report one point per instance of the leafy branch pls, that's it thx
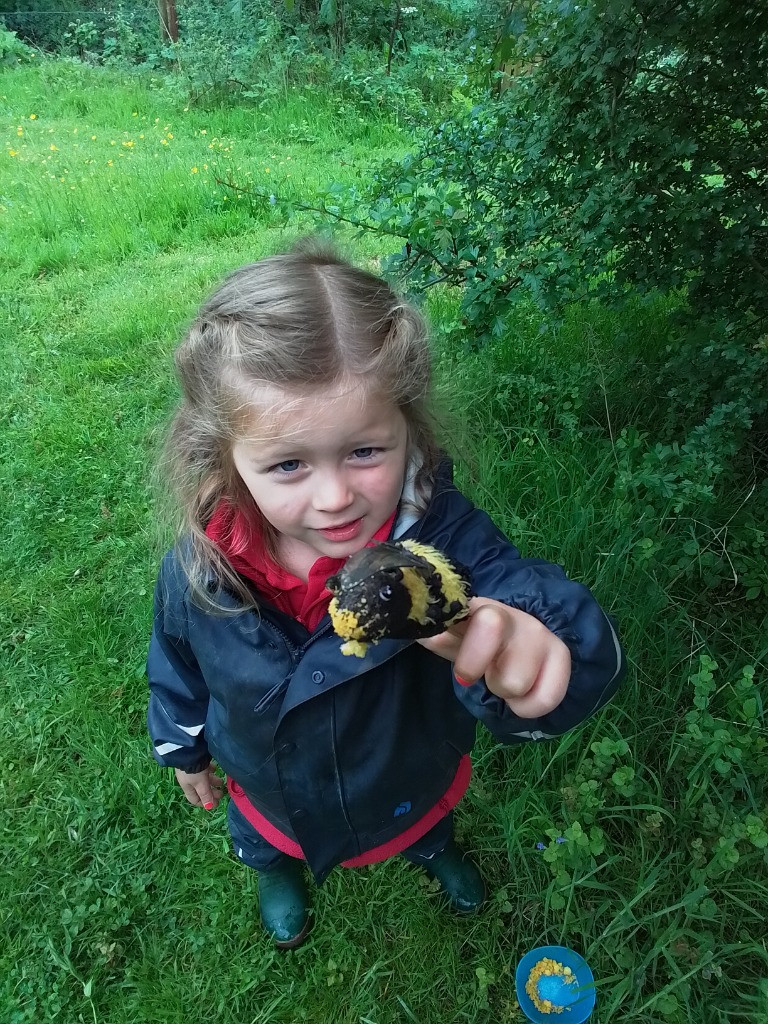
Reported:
(412, 248)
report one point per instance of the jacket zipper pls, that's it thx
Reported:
(339, 784)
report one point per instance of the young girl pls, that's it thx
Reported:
(303, 436)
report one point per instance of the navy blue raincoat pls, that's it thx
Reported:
(331, 749)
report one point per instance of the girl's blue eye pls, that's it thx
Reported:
(364, 453)
(289, 466)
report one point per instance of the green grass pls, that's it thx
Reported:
(124, 905)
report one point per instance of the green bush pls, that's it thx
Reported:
(624, 160)
(95, 32)
(628, 153)
(12, 49)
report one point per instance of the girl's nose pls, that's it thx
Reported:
(331, 493)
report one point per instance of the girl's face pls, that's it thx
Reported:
(330, 473)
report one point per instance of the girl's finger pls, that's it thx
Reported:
(549, 687)
(446, 645)
(483, 639)
(206, 796)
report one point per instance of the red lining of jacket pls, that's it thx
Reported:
(281, 842)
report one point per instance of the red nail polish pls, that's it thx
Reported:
(462, 682)
(208, 807)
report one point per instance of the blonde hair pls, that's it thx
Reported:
(302, 320)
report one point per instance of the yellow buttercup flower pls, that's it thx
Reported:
(194, 170)
(33, 117)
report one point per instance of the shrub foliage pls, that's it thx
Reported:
(623, 157)
(627, 150)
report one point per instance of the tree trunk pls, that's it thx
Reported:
(169, 22)
(395, 26)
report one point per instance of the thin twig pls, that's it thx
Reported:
(324, 211)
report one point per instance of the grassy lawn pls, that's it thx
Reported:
(122, 903)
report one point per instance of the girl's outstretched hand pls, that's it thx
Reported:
(523, 662)
(203, 789)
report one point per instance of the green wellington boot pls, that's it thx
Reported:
(459, 879)
(284, 903)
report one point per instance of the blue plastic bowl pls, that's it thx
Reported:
(578, 1000)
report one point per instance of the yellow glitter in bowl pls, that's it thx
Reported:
(546, 968)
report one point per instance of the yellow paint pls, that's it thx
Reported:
(346, 625)
(345, 622)
(355, 648)
(418, 592)
(546, 968)
(453, 586)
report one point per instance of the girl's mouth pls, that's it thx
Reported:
(347, 531)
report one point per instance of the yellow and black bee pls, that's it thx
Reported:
(403, 590)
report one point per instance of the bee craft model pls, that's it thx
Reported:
(401, 590)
